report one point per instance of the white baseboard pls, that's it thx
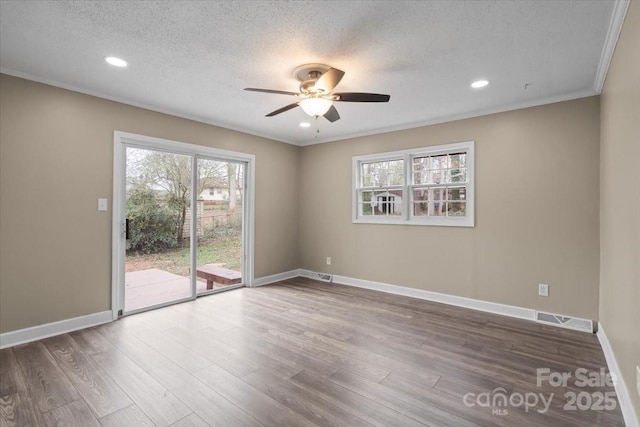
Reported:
(10, 339)
(474, 304)
(624, 398)
(626, 406)
(21, 336)
(261, 281)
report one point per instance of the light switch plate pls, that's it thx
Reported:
(102, 204)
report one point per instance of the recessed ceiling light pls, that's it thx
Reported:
(305, 124)
(479, 83)
(116, 61)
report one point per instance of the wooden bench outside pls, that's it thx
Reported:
(213, 273)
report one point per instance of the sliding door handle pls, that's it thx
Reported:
(126, 229)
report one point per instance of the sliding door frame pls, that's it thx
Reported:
(122, 140)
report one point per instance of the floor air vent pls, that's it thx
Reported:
(322, 276)
(576, 323)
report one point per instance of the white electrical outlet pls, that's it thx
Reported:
(102, 204)
(638, 379)
(328, 260)
(543, 290)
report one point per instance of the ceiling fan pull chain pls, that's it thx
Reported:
(317, 127)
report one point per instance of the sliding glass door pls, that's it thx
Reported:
(183, 224)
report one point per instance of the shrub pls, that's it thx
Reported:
(151, 224)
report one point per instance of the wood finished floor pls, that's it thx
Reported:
(298, 353)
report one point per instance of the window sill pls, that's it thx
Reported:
(437, 222)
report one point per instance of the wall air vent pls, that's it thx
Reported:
(575, 323)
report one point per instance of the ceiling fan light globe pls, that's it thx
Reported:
(315, 106)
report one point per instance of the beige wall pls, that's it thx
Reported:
(620, 202)
(536, 212)
(56, 159)
(536, 205)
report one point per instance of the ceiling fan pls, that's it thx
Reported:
(317, 82)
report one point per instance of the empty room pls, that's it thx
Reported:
(314, 213)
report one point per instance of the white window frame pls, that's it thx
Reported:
(407, 217)
(122, 140)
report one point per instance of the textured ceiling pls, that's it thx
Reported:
(193, 59)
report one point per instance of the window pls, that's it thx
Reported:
(425, 186)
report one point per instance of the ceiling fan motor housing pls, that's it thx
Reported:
(308, 87)
(308, 75)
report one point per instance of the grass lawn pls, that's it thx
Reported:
(224, 250)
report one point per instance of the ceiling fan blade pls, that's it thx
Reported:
(361, 97)
(282, 110)
(332, 114)
(279, 92)
(329, 80)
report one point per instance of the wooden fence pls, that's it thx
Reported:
(208, 220)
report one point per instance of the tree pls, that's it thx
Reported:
(172, 173)
(169, 176)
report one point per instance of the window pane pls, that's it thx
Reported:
(458, 175)
(436, 194)
(420, 195)
(436, 209)
(421, 170)
(396, 179)
(457, 208)
(458, 160)
(457, 193)
(421, 177)
(369, 173)
(365, 209)
(420, 209)
(396, 172)
(364, 203)
(380, 174)
(439, 162)
(421, 163)
(437, 176)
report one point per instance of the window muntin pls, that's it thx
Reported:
(428, 186)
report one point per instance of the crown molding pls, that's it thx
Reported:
(615, 27)
(455, 117)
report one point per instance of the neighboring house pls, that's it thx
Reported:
(388, 202)
(215, 193)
